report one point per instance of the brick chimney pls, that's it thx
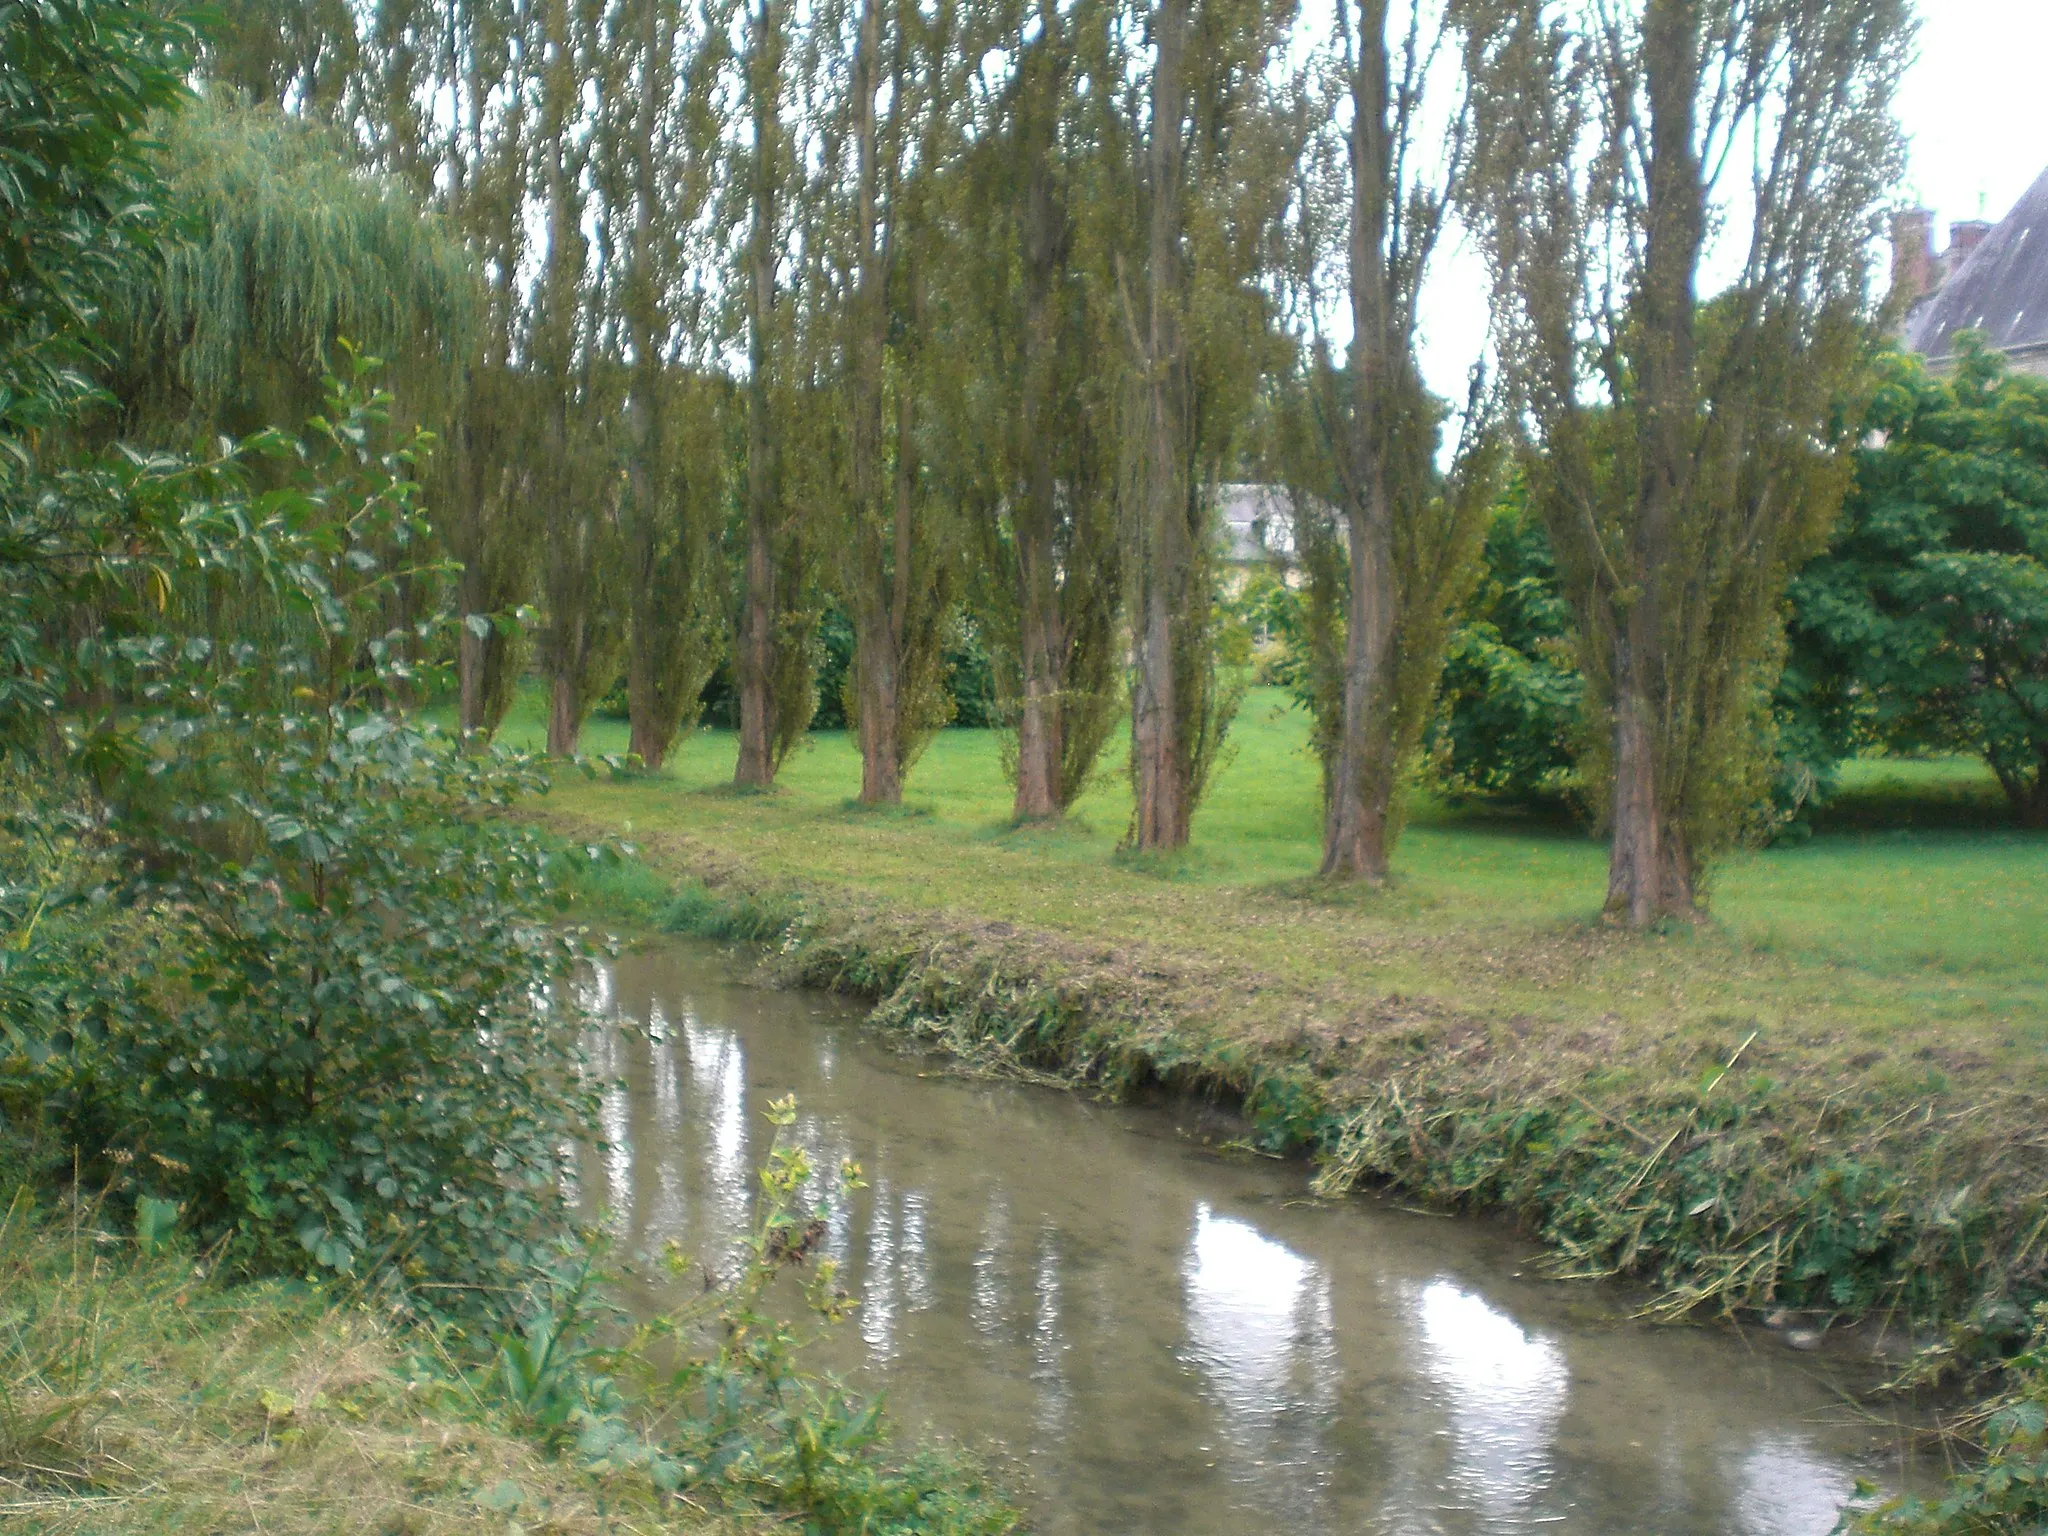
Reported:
(1914, 274)
(1964, 236)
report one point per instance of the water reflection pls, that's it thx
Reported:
(1150, 1338)
(1505, 1391)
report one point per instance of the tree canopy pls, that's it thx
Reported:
(1924, 625)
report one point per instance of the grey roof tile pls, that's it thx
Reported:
(2001, 289)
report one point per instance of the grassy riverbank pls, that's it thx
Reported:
(1828, 1098)
(140, 1396)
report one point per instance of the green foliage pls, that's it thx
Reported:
(1924, 627)
(1512, 691)
(332, 1040)
(284, 248)
(78, 80)
(2006, 1491)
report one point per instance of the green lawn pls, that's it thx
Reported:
(1855, 942)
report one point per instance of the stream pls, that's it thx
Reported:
(1143, 1331)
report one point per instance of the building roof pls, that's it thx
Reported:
(1258, 522)
(2001, 288)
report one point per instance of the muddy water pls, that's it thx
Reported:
(1147, 1334)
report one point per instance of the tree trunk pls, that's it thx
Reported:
(878, 643)
(1038, 719)
(1039, 744)
(1361, 789)
(754, 655)
(881, 779)
(1649, 873)
(470, 658)
(565, 716)
(1649, 877)
(1159, 755)
(754, 659)
(646, 737)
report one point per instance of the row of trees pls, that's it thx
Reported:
(910, 306)
(1921, 628)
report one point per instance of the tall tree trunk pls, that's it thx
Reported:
(1361, 787)
(1361, 783)
(1160, 760)
(1039, 747)
(1038, 719)
(646, 737)
(754, 655)
(565, 715)
(754, 658)
(878, 643)
(1649, 874)
(469, 675)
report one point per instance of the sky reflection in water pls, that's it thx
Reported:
(1147, 1336)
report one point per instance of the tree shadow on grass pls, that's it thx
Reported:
(909, 810)
(1193, 863)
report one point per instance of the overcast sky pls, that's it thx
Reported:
(1975, 107)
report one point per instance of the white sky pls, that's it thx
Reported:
(1974, 105)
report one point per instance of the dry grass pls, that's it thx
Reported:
(137, 1396)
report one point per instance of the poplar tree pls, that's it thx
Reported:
(896, 561)
(1390, 581)
(1211, 184)
(659, 139)
(573, 470)
(772, 663)
(1690, 452)
(1040, 199)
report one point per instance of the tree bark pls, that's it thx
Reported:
(754, 655)
(646, 737)
(565, 716)
(1039, 745)
(1649, 874)
(1361, 790)
(469, 671)
(1159, 755)
(1361, 787)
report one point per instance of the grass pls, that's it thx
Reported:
(1869, 924)
(1828, 1095)
(138, 1396)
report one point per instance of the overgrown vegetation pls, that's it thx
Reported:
(279, 990)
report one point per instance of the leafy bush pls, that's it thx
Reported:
(2007, 1489)
(333, 1038)
(1924, 625)
(1512, 690)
